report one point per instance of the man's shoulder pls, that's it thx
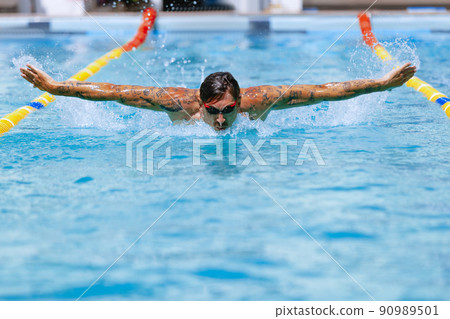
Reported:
(259, 97)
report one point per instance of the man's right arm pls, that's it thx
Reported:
(154, 98)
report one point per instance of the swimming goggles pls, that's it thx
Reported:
(212, 110)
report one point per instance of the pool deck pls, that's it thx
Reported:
(230, 21)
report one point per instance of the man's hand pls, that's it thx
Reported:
(38, 78)
(399, 76)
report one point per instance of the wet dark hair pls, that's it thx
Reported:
(215, 86)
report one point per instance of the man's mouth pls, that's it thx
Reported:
(221, 127)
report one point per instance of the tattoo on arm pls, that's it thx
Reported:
(349, 89)
(148, 97)
(171, 108)
(301, 95)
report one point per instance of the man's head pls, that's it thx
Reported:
(220, 95)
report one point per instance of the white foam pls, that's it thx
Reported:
(87, 114)
(22, 61)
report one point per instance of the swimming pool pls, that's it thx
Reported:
(380, 206)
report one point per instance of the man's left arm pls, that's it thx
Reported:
(283, 97)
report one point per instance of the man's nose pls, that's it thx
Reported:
(220, 119)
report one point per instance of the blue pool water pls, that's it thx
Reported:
(70, 206)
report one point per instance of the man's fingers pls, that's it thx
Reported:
(33, 71)
(28, 79)
(407, 70)
(411, 71)
(404, 66)
(29, 76)
(32, 68)
(27, 73)
(25, 77)
(409, 74)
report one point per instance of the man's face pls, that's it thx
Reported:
(222, 120)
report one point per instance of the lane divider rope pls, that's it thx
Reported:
(423, 87)
(12, 119)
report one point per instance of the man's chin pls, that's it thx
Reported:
(220, 128)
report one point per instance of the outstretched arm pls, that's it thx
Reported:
(157, 99)
(300, 95)
(264, 98)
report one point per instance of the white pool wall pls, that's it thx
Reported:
(233, 22)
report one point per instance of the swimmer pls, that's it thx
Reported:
(219, 99)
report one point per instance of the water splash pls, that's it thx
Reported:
(183, 84)
(77, 113)
(402, 51)
(364, 63)
(170, 68)
(23, 60)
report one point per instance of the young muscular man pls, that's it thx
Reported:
(219, 99)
